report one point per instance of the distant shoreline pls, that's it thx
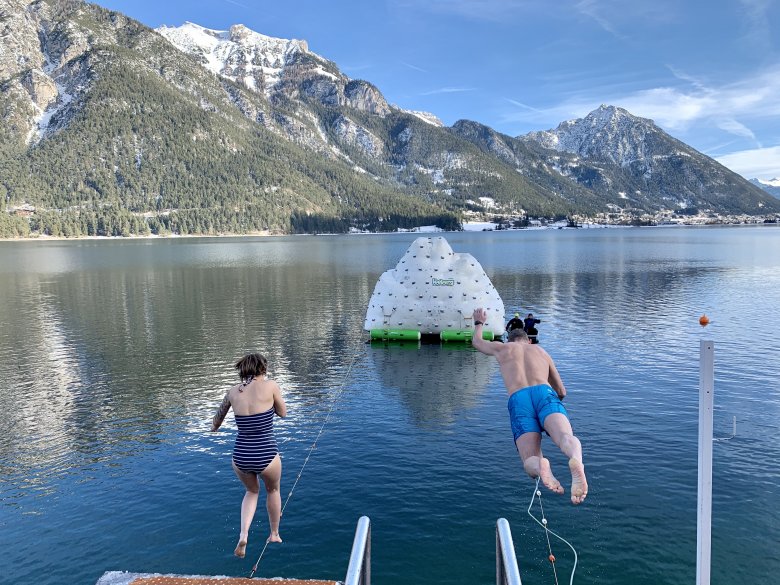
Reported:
(136, 237)
(476, 227)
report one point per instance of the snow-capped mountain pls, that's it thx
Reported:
(612, 150)
(243, 55)
(221, 131)
(772, 186)
(608, 133)
(274, 66)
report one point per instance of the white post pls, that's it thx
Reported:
(704, 511)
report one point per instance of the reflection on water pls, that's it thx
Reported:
(434, 382)
(114, 355)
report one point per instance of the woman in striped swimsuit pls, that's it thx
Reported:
(255, 402)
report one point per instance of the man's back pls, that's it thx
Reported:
(523, 365)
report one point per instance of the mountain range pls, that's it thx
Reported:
(771, 186)
(110, 127)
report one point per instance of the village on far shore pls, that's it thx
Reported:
(486, 215)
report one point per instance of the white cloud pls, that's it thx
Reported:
(730, 107)
(415, 67)
(448, 90)
(593, 9)
(757, 163)
(615, 16)
(733, 127)
(522, 105)
(238, 4)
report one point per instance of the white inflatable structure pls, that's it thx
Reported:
(433, 291)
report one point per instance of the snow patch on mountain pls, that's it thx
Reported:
(240, 54)
(436, 175)
(44, 117)
(356, 136)
(426, 117)
(608, 132)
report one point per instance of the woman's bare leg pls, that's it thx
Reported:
(272, 476)
(248, 507)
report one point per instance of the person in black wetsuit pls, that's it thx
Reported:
(515, 323)
(530, 322)
(529, 326)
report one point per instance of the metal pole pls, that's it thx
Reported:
(507, 571)
(704, 508)
(359, 570)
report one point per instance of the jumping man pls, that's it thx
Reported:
(535, 392)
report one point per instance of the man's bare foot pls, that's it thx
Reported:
(579, 485)
(274, 537)
(548, 479)
(240, 551)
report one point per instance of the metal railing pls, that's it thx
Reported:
(507, 571)
(359, 571)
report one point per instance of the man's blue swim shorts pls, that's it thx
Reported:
(529, 407)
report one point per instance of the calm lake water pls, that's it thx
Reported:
(114, 355)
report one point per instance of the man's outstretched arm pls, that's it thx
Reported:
(486, 347)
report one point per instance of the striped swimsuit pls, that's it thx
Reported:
(255, 444)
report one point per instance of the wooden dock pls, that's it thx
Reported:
(122, 578)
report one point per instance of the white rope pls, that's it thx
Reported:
(308, 455)
(547, 532)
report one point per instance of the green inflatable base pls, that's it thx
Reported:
(464, 335)
(395, 334)
(415, 335)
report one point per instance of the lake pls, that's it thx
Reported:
(115, 354)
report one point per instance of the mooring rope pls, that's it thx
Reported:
(548, 532)
(308, 455)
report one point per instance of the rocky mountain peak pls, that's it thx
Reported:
(607, 133)
(771, 186)
(272, 66)
(241, 54)
(426, 117)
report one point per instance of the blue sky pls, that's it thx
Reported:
(707, 72)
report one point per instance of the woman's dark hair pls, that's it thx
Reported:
(251, 365)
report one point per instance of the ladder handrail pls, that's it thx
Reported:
(359, 571)
(507, 571)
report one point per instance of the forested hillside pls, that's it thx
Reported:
(107, 128)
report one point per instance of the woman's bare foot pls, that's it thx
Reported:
(548, 479)
(579, 485)
(240, 551)
(274, 537)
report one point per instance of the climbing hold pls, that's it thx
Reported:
(704, 320)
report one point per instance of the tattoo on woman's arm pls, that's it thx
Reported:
(221, 412)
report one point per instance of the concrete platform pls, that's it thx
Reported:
(124, 578)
